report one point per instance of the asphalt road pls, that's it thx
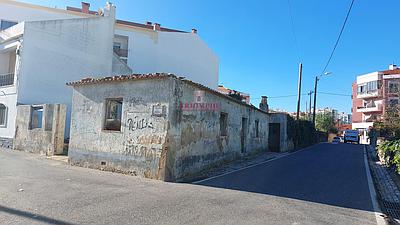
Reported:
(325, 184)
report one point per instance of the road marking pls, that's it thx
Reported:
(247, 167)
(378, 213)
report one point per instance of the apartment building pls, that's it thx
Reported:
(373, 93)
(43, 48)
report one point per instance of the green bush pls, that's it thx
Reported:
(389, 151)
(301, 132)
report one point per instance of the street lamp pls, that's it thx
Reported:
(315, 93)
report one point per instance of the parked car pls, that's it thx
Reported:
(351, 136)
(337, 139)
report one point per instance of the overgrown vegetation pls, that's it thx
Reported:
(301, 132)
(389, 151)
(325, 122)
(389, 128)
(236, 95)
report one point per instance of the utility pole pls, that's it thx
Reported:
(315, 98)
(299, 91)
(309, 111)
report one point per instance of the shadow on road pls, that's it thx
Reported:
(32, 216)
(332, 174)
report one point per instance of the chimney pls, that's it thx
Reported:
(156, 26)
(85, 7)
(264, 104)
(194, 31)
(392, 66)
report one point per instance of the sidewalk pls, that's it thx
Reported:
(387, 191)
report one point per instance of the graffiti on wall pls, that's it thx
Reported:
(143, 151)
(138, 123)
(145, 133)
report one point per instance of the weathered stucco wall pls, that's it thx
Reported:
(46, 140)
(168, 142)
(140, 147)
(196, 134)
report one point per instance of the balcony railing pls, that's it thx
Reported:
(369, 94)
(121, 52)
(6, 79)
(376, 108)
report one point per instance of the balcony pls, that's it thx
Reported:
(369, 94)
(377, 108)
(6, 79)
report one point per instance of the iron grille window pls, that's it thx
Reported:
(6, 79)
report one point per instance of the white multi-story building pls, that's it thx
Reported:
(42, 48)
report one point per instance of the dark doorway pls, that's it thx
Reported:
(274, 137)
(243, 133)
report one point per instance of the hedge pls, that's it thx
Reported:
(389, 152)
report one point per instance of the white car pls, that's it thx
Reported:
(351, 136)
(336, 140)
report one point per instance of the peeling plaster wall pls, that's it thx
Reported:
(141, 145)
(47, 140)
(196, 136)
(175, 145)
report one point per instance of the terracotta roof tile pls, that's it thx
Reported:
(121, 78)
(90, 80)
(388, 72)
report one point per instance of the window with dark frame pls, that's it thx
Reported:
(36, 117)
(113, 114)
(223, 124)
(257, 128)
(3, 115)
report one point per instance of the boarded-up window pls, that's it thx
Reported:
(257, 124)
(223, 124)
(113, 114)
(36, 117)
(3, 115)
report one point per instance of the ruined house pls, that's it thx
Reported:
(164, 127)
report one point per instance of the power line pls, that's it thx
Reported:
(294, 31)
(325, 93)
(338, 39)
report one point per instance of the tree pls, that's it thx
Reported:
(389, 127)
(325, 122)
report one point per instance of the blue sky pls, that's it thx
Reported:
(256, 48)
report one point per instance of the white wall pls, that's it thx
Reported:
(59, 51)
(4, 62)
(183, 54)
(18, 12)
(367, 77)
(8, 94)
